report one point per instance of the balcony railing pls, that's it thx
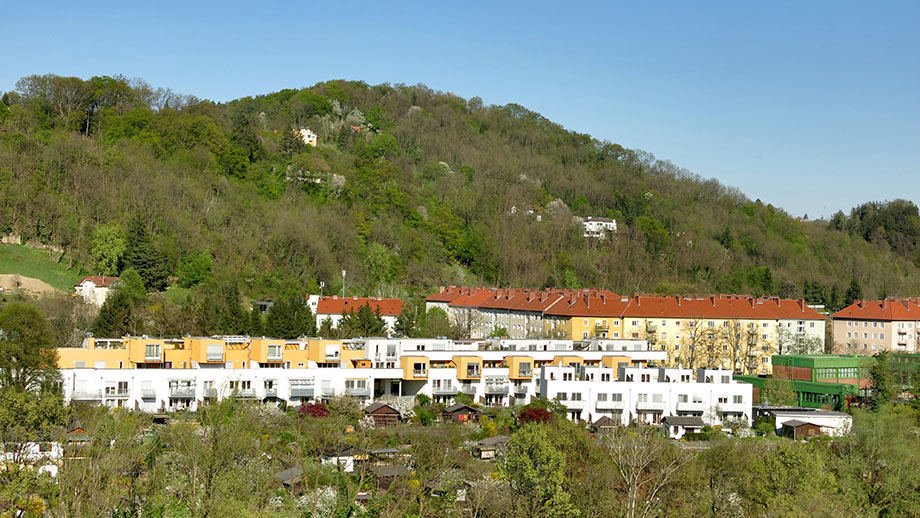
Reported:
(650, 405)
(274, 357)
(574, 405)
(497, 388)
(358, 391)
(116, 395)
(86, 395)
(215, 357)
(327, 391)
(688, 406)
(520, 389)
(302, 391)
(469, 390)
(245, 392)
(525, 373)
(210, 393)
(182, 392)
(419, 373)
(271, 392)
(609, 405)
(152, 357)
(148, 393)
(448, 390)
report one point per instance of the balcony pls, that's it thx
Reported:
(327, 392)
(650, 405)
(686, 406)
(444, 390)
(271, 391)
(302, 391)
(651, 328)
(469, 390)
(734, 407)
(332, 358)
(247, 393)
(148, 393)
(574, 405)
(358, 391)
(609, 405)
(520, 389)
(274, 358)
(154, 358)
(215, 358)
(182, 392)
(502, 388)
(419, 373)
(210, 393)
(116, 395)
(601, 327)
(525, 373)
(86, 395)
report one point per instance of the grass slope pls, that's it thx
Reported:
(37, 264)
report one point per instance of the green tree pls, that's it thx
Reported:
(363, 322)
(195, 268)
(882, 382)
(326, 329)
(405, 322)
(853, 293)
(28, 359)
(108, 248)
(115, 317)
(143, 257)
(436, 323)
(131, 284)
(256, 326)
(779, 391)
(535, 471)
(384, 146)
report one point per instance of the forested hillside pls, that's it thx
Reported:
(408, 188)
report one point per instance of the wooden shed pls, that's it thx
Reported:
(383, 414)
(796, 429)
(460, 413)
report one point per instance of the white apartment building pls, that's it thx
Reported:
(647, 394)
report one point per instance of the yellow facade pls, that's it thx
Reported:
(468, 367)
(614, 363)
(325, 351)
(109, 358)
(414, 367)
(520, 367)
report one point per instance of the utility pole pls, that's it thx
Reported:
(343, 284)
(321, 286)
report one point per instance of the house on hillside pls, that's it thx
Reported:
(676, 426)
(95, 288)
(598, 228)
(307, 136)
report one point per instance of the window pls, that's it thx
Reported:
(766, 324)
(562, 396)
(576, 396)
(664, 323)
(584, 334)
(524, 369)
(616, 322)
(215, 353)
(737, 400)
(274, 352)
(723, 400)
(765, 360)
(682, 398)
(635, 322)
(764, 337)
(79, 364)
(645, 378)
(605, 376)
(664, 336)
(711, 324)
(419, 369)
(812, 324)
(586, 322)
(881, 336)
(616, 334)
(642, 398)
(152, 352)
(616, 397)
(658, 398)
(602, 397)
(472, 370)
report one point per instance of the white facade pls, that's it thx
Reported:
(598, 228)
(646, 395)
(307, 136)
(834, 424)
(92, 293)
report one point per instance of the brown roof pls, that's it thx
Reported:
(380, 408)
(99, 280)
(888, 309)
(338, 306)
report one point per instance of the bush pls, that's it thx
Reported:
(313, 410)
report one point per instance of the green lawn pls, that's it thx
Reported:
(37, 264)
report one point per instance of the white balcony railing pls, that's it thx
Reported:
(609, 405)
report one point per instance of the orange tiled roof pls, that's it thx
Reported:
(888, 309)
(336, 305)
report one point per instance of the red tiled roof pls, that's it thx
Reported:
(336, 305)
(888, 309)
(579, 305)
(99, 280)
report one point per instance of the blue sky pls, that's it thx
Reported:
(811, 106)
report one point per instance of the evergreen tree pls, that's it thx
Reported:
(326, 330)
(304, 321)
(114, 319)
(882, 382)
(363, 322)
(405, 322)
(853, 293)
(231, 320)
(256, 328)
(143, 257)
(280, 321)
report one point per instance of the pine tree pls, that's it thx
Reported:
(231, 320)
(280, 321)
(326, 330)
(405, 322)
(304, 321)
(143, 257)
(256, 328)
(853, 293)
(114, 319)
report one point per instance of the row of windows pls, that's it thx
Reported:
(875, 336)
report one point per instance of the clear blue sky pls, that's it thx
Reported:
(811, 106)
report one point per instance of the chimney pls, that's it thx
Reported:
(603, 299)
(588, 301)
(802, 304)
(884, 304)
(441, 289)
(860, 304)
(572, 299)
(712, 300)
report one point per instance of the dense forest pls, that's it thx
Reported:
(408, 188)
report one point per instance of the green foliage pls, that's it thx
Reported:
(195, 268)
(27, 352)
(108, 247)
(37, 264)
(115, 317)
(290, 318)
(535, 469)
(362, 322)
(881, 382)
(498, 332)
(779, 392)
(143, 257)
